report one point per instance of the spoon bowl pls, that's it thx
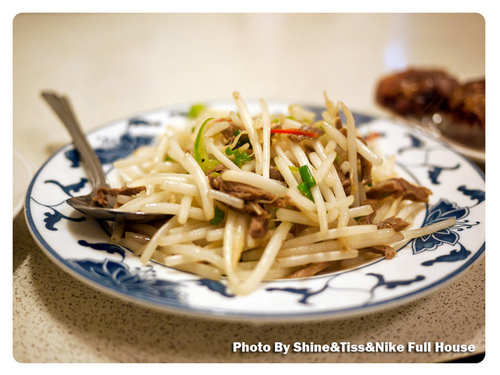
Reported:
(84, 204)
(60, 104)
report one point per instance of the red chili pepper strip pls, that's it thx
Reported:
(223, 119)
(372, 136)
(296, 132)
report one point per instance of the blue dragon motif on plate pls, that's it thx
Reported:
(127, 143)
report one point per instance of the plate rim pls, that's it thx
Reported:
(459, 148)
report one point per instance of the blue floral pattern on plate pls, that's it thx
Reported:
(80, 245)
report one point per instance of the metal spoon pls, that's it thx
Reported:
(97, 177)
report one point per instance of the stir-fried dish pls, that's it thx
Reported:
(255, 197)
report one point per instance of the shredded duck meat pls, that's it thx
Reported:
(344, 180)
(368, 219)
(243, 191)
(393, 222)
(258, 202)
(396, 223)
(309, 270)
(399, 187)
(385, 250)
(258, 226)
(366, 168)
(230, 132)
(101, 197)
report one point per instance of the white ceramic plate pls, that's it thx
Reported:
(80, 246)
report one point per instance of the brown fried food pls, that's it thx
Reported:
(416, 91)
(468, 102)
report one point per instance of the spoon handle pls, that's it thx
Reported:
(62, 107)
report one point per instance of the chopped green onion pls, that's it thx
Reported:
(218, 216)
(304, 189)
(307, 176)
(307, 183)
(242, 140)
(240, 157)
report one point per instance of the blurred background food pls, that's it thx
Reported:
(436, 100)
(418, 92)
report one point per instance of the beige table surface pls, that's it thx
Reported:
(116, 65)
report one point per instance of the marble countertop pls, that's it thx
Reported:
(113, 65)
